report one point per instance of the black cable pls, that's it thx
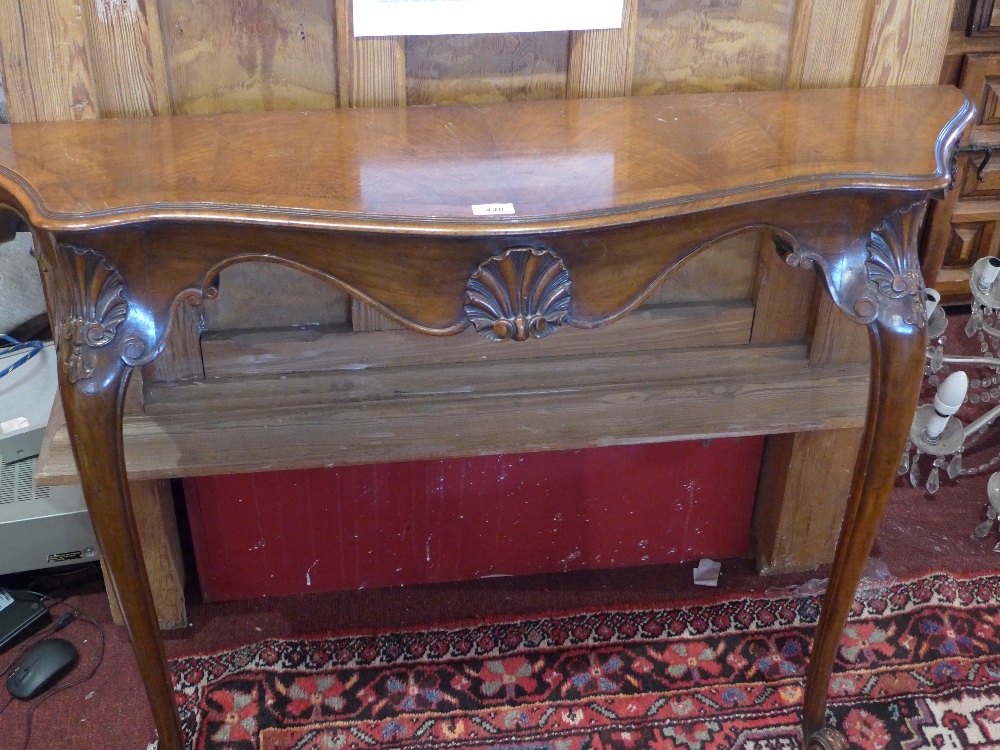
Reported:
(58, 624)
(9, 699)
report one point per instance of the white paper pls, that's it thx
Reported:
(17, 423)
(707, 572)
(424, 17)
(492, 209)
(5, 600)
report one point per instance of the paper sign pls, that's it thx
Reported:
(424, 17)
(5, 600)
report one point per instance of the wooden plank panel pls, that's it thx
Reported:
(245, 55)
(481, 68)
(601, 61)
(126, 50)
(44, 61)
(371, 71)
(412, 429)
(672, 327)
(829, 42)
(695, 46)
(907, 42)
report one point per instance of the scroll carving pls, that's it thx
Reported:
(884, 280)
(98, 306)
(520, 294)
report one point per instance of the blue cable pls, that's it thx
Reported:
(30, 349)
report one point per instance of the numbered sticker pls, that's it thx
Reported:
(492, 209)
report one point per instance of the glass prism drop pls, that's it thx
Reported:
(955, 466)
(904, 463)
(933, 481)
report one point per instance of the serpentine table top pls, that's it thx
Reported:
(516, 219)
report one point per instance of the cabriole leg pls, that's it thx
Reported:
(886, 291)
(98, 338)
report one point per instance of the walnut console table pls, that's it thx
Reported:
(522, 221)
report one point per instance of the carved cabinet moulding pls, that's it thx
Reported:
(522, 293)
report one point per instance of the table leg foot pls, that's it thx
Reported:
(826, 739)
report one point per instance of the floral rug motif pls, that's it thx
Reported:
(918, 667)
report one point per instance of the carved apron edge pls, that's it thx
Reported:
(885, 282)
(99, 308)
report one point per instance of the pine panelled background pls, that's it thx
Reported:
(79, 59)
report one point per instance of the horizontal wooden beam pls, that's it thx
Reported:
(393, 414)
(262, 352)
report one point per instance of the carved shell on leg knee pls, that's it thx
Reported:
(522, 293)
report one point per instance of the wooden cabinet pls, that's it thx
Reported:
(963, 229)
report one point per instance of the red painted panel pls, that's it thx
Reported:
(457, 519)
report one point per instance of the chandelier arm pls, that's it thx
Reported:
(984, 420)
(958, 360)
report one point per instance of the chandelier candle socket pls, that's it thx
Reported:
(990, 273)
(931, 301)
(949, 398)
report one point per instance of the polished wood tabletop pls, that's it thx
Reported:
(425, 167)
(605, 199)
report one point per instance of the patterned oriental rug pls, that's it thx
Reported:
(919, 667)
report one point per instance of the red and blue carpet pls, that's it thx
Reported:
(919, 667)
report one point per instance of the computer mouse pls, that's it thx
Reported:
(40, 666)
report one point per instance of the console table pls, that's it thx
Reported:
(522, 221)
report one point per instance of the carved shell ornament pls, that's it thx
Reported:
(98, 307)
(894, 272)
(522, 293)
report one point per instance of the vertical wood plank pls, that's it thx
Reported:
(601, 62)
(157, 524)
(371, 71)
(367, 318)
(907, 42)
(828, 43)
(44, 61)
(778, 289)
(126, 50)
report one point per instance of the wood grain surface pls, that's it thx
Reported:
(46, 66)
(484, 68)
(249, 55)
(739, 45)
(556, 160)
